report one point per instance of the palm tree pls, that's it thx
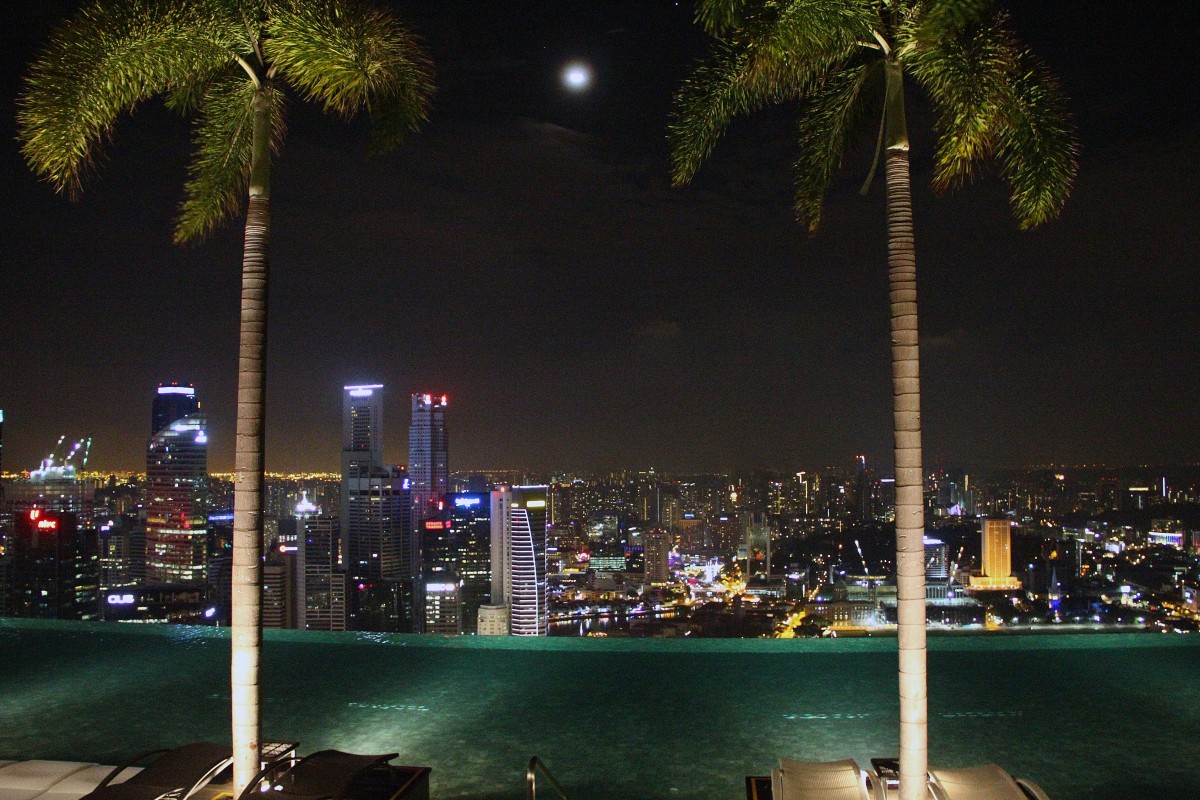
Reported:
(228, 64)
(842, 62)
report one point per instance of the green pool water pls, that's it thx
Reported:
(1102, 716)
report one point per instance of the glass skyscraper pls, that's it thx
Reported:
(458, 544)
(519, 557)
(428, 460)
(378, 544)
(176, 482)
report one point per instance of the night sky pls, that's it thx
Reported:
(526, 254)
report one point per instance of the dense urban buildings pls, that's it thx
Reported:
(635, 553)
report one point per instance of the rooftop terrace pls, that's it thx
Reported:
(1101, 716)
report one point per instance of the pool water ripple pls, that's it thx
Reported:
(1087, 716)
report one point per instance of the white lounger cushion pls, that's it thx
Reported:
(25, 780)
(987, 782)
(818, 780)
(78, 784)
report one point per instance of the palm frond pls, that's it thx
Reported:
(351, 57)
(994, 101)
(1037, 146)
(187, 98)
(829, 118)
(708, 101)
(718, 17)
(935, 20)
(968, 77)
(105, 61)
(219, 173)
(781, 52)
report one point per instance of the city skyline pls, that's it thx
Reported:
(524, 255)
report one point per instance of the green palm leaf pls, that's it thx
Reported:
(718, 17)
(829, 119)
(350, 57)
(112, 57)
(937, 20)
(219, 173)
(782, 53)
(1037, 146)
(968, 77)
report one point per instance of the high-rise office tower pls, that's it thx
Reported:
(519, 557)
(997, 557)
(172, 401)
(276, 591)
(658, 553)
(362, 428)
(56, 485)
(442, 603)
(937, 560)
(864, 490)
(324, 586)
(428, 463)
(54, 569)
(176, 482)
(372, 495)
(378, 548)
(458, 542)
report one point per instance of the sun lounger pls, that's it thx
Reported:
(324, 775)
(822, 780)
(176, 774)
(988, 782)
(25, 780)
(81, 783)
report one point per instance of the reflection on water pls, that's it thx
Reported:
(1100, 716)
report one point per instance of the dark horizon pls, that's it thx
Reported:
(526, 255)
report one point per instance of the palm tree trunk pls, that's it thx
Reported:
(910, 483)
(245, 668)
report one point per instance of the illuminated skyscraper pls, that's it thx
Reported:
(658, 554)
(428, 461)
(54, 568)
(372, 502)
(937, 560)
(458, 542)
(362, 428)
(997, 557)
(324, 584)
(378, 550)
(172, 402)
(519, 557)
(442, 603)
(176, 482)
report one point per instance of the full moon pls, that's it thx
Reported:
(577, 77)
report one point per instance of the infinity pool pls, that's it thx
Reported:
(1104, 717)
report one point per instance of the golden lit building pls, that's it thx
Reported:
(997, 557)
